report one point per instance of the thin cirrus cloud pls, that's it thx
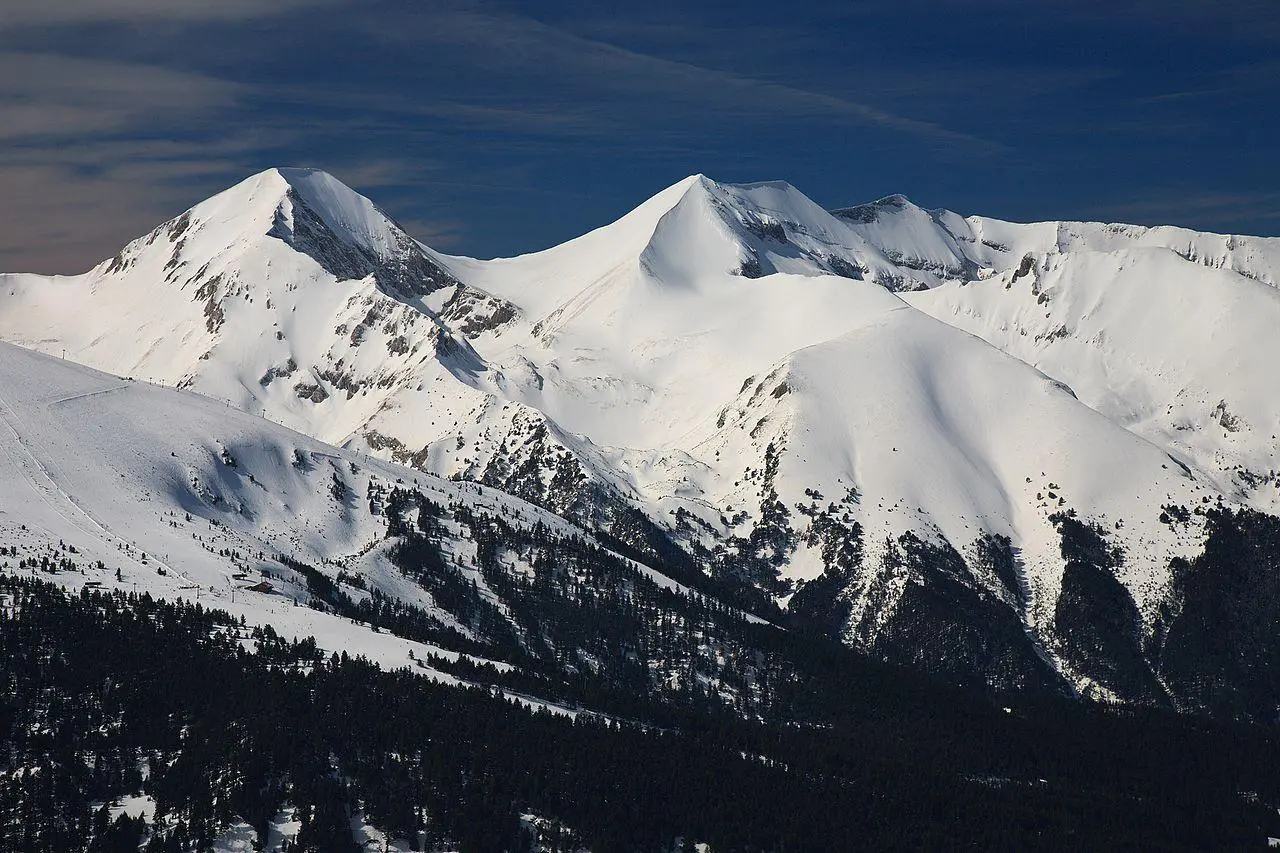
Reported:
(607, 78)
(1245, 20)
(62, 12)
(54, 95)
(88, 152)
(68, 213)
(96, 150)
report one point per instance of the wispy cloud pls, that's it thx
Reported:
(1218, 211)
(58, 12)
(67, 218)
(44, 95)
(1246, 20)
(607, 78)
(94, 152)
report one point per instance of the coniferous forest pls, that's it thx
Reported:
(106, 696)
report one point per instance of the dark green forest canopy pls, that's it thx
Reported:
(236, 722)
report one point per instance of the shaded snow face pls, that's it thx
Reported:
(351, 239)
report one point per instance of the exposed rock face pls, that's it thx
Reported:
(403, 270)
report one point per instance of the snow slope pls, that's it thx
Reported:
(1168, 332)
(150, 489)
(931, 247)
(778, 389)
(1180, 354)
(938, 432)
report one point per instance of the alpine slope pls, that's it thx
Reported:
(962, 444)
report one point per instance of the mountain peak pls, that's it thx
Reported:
(298, 173)
(282, 227)
(750, 229)
(350, 236)
(344, 213)
(273, 195)
(871, 211)
(298, 177)
(778, 194)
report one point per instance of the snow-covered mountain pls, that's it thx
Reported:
(895, 421)
(177, 495)
(276, 295)
(121, 484)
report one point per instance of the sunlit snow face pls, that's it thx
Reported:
(704, 357)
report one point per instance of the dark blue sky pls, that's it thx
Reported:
(498, 128)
